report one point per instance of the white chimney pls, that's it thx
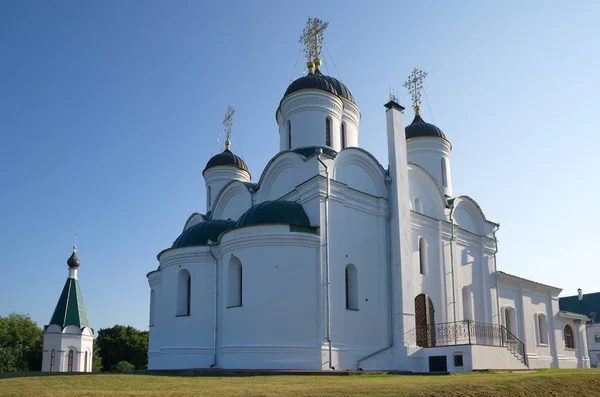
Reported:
(580, 294)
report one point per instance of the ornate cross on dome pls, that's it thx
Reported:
(75, 242)
(227, 123)
(312, 37)
(414, 84)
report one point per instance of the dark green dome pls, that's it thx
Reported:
(202, 232)
(419, 128)
(270, 212)
(226, 158)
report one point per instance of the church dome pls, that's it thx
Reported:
(73, 261)
(226, 158)
(273, 212)
(202, 232)
(318, 81)
(419, 128)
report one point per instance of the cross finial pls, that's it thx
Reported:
(227, 124)
(75, 242)
(414, 84)
(312, 39)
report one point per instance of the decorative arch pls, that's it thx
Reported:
(468, 216)
(418, 205)
(351, 282)
(280, 177)
(424, 321)
(193, 220)
(232, 201)
(234, 283)
(360, 171)
(184, 293)
(423, 185)
(510, 319)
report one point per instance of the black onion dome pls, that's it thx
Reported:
(201, 233)
(73, 261)
(227, 158)
(419, 128)
(318, 81)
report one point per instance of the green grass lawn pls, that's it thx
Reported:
(542, 383)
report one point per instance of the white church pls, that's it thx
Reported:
(331, 260)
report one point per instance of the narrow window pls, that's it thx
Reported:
(327, 132)
(343, 135)
(208, 194)
(418, 205)
(444, 175)
(467, 303)
(510, 320)
(422, 256)
(458, 360)
(289, 134)
(235, 273)
(569, 340)
(85, 368)
(597, 338)
(542, 329)
(152, 303)
(70, 361)
(184, 293)
(351, 288)
(52, 359)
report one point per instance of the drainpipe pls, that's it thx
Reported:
(388, 181)
(327, 286)
(451, 201)
(216, 307)
(495, 270)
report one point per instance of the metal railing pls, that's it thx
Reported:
(468, 332)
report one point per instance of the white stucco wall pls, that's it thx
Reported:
(62, 341)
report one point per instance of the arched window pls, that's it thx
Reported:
(184, 293)
(343, 135)
(70, 361)
(418, 205)
(351, 287)
(542, 328)
(289, 130)
(234, 297)
(510, 320)
(467, 298)
(327, 131)
(85, 368)
(597, 338)
(208, 195)
(422, 256)
(52, 360)
(569, 339)
(152, 303)
(444, 173)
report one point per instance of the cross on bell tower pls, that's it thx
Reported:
(312, 39)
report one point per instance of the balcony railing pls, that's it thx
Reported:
(468, 332)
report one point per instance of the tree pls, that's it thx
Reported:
(121, 343)
(96, 359)
(21, 344)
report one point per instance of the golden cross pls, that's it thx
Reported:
(414, 84)
(227, 123)
(312, 38)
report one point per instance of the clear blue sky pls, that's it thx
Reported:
(109, 111)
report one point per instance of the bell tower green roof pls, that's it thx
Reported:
(70, 309)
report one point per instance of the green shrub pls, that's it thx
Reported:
(123, 366)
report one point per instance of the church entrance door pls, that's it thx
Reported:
(424, 321)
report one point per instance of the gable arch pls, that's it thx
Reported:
(232, 201)
(280, 176)
(359, 170)
(468, 215)
(424, 189)
(193, 220)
